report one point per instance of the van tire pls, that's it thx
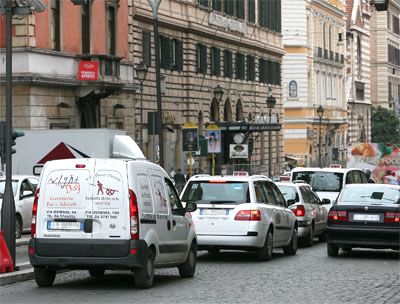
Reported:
(44, 277)
(332, 250)
(188, 269)
(309, 239)
(291, 249)
(97, 272)
(144, 276)
(265, 252)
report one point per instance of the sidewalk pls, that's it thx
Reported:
(24, 272)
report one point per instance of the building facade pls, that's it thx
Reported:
(358, 64)
(204, 44)
(47, 50)
(314, 76)
(385, 57)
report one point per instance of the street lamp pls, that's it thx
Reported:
(8, 208)
(271, 102)
(155, 4)
(320, 113)
(141, 74)
(218, 94)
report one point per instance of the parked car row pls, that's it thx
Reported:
(100, 214)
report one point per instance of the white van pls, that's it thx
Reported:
(99, 214)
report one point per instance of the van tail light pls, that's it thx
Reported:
(338, 215)
(34, 213)
(392, 217)
(248, 215)
(133, 215)
(299, 210)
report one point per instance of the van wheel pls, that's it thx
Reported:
(265, 252)
(291, 249)
(18, 226)
(309, 239)
(144, 276)
(333, 250)
(97, 272)
(44, 277)
(323, 237)
(188, 269)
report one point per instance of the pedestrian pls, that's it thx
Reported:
(180, 180)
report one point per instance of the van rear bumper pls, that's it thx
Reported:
(46, 253)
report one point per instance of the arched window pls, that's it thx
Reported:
(239, 111)
(227, 110)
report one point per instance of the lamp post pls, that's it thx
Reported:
(141, 73)
(8, 208)
(320, 113)
(155, 4)
(218, 94)
(271, 102)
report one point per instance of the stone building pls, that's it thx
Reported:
(385, 57)
(314, 77)
(358, 64)
(204, 44)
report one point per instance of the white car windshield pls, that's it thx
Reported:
(3, 185)
(368, 194)
(321, 180)
(209, 192)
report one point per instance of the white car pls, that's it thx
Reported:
(242, 213)
(306, 205)
(24, 187)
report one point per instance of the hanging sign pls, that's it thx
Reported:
(88, 70)
(190, 137)
(213, 136)
(239, 151)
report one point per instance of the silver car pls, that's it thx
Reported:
(307, 207)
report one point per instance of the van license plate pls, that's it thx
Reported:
(214, 211)
(366, 217)
(64, 226)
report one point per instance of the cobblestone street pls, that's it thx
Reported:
(364, 276)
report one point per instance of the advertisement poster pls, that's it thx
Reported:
(88, 70)
(213, 141)
(190, 140)
(383, 160)
(238, 151)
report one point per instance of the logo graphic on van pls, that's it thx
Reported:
(69, 182)
(101, 188)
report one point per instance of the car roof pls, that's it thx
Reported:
(389, 186)
(296, 185)
(204, 177)
(18, 177)
(339, 170)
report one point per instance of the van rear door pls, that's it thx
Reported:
(110, 213)
(64, 209)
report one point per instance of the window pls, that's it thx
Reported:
(176, 55)
(262, 75)
(171, 53)
(393, 55)
(217, 5)
(261, 196)
(251, 73)
(201, 58)
(85, 29)
(269, 14)
(146, 48)
(239, 9)
(251, 11)
(277, 73)
(165, 52)
(240, 66)
(390, 90)
(203, 3)
(173, 199)
(215, 61)
(228, 64)
(360, 90)
(55, 30)
(269, 193)
(396, 25)
(111, 38)
(229, 7)
(280, 200)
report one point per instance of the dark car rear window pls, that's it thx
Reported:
(320, 180)
(206, 192)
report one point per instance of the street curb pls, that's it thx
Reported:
(18, 276)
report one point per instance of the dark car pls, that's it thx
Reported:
(366, 216)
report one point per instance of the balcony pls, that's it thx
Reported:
(109, 66)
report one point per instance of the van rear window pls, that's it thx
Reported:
(205, 192)
(321, 180)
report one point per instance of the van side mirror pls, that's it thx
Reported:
(326, 201)
(290, 202)
(26, 193)
(191, 207)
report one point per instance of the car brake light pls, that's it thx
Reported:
(80, 166)
(248, 215)
(392, 217)
(133, 215)
(338, 215)
(34, 213)
(299, 211)
(216, 181)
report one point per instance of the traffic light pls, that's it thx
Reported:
(14, 136)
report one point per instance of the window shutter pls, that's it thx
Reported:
(251, 12)
(278, 16)
(217, 5)
(250, 68)
(278, 73)
(229, 7)
(215, 61)
(179, 54)
(203, 3)
(203, 63)
(227, 64)
(240, 9)
(198, 58)
(263, 70)
(146, 48)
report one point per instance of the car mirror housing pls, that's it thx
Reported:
(326, 201)
(191, 207)
(290, 202)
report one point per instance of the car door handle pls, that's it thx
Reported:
(169, 225)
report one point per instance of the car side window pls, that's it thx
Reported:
(280, 200)
(305, 194)
(364, 178)
(314, 198)
(357, 177)
(26, 186)
(270, 193)
(34, 182)
(261, 196)
(350, 178)
(175, 203)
